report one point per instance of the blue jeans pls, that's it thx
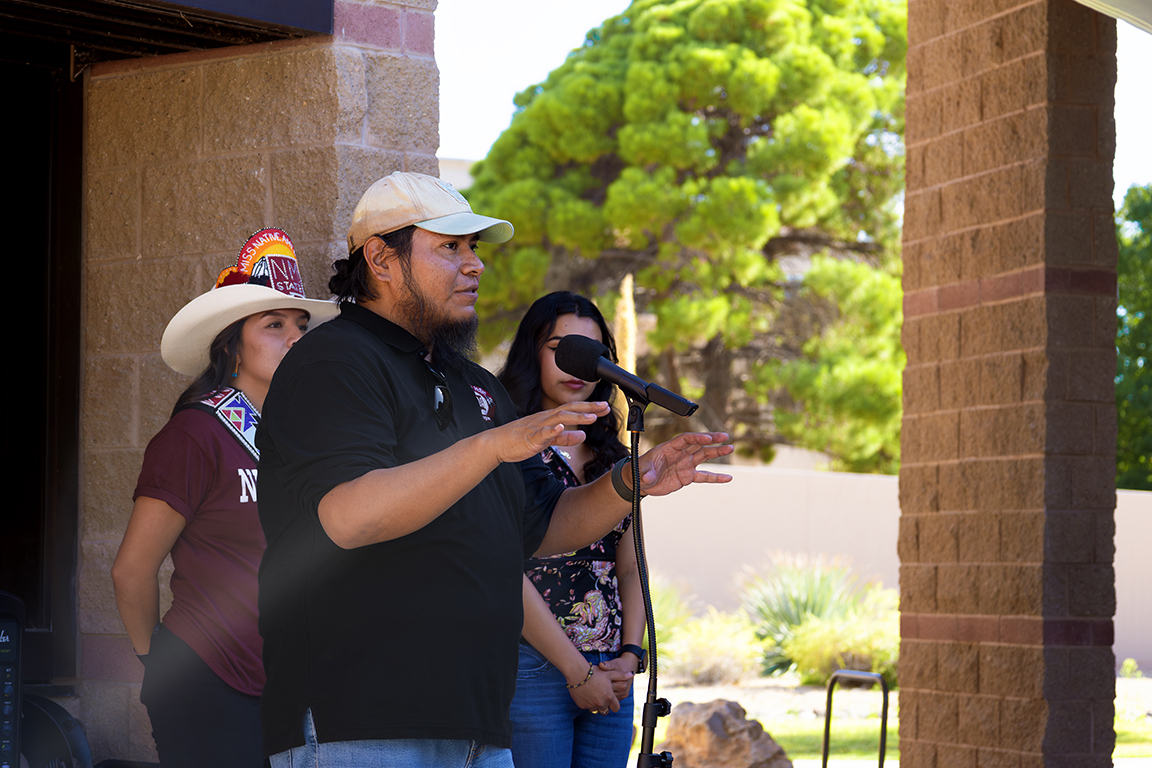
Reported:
(550, 731)
(390, 753)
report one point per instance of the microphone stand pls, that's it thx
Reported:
(653, 707)
(587, 359)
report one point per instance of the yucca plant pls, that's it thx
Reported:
(867, 638)
(793, 588)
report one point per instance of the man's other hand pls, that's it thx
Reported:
(672, 465)
(521, 439)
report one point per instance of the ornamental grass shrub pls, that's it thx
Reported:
(790, 590)
(866, 638)
(715, 648)
(815, 616)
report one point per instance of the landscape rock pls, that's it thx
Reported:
(718, 734)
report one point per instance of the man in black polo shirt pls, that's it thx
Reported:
(399, 497)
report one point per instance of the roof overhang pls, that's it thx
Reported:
(100, 30)
(1136, 12)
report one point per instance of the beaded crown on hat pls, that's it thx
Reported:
(269, 259)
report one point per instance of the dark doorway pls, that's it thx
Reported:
(42, 137)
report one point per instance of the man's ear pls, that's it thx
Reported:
(376, 256)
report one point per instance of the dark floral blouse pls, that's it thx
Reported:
(580, 587)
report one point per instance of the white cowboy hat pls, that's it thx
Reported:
(266, 277)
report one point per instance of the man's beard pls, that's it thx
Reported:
(453, 342)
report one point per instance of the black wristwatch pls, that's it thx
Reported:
(639, 652)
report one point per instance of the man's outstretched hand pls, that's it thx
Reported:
(672, 465)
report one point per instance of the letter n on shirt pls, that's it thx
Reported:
(247, 484)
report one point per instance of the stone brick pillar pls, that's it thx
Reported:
(1007, 486)
(186, 155)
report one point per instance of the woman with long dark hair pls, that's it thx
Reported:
(583, 611)
(196, 500)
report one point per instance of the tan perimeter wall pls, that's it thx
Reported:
(703, 537)
(1133, 576)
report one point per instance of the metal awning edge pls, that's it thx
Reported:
(1138, 13)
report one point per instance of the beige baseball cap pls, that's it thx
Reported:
(405, 199)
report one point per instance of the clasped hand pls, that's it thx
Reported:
(603, 691)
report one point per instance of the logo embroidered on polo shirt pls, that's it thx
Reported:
(486, 402)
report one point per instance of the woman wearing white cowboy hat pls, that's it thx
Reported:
(196, 500)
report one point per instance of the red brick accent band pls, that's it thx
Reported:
(1014, 630)
(1072, 632)
(419, 33)
(1014, 285)
(388, 27)
(375, 25)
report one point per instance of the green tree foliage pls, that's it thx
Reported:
(1134, 341)
(694, 143)
(846, 385)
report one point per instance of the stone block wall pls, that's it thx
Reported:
(1006, 489)
(186, 155)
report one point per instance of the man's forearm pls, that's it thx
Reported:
(391, 502)
(585, 514)
(582, 516)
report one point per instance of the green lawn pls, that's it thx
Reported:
(804, 739)
(1133, 738)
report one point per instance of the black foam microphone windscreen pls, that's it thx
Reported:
(578, 355)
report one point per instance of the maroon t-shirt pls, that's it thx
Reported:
(199, 469)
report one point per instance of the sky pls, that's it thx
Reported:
(490, 50)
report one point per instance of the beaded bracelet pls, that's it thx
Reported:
(591, 670)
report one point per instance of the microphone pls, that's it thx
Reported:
(586, 359)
